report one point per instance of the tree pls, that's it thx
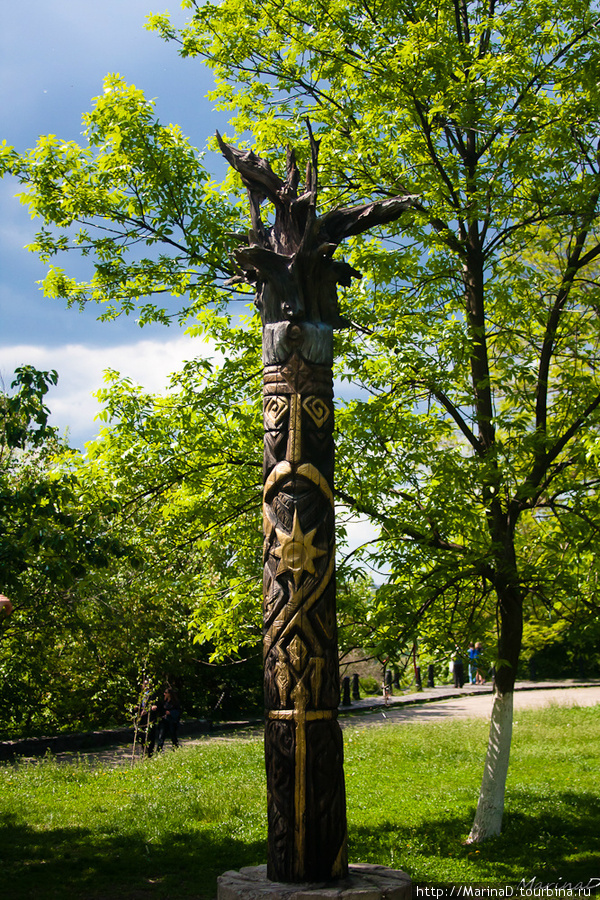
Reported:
(475, 326)
(185, 474)
(487, 113)
(37, 539)
(27, 495)
(136, 200)
(105, 557)
(49, 542)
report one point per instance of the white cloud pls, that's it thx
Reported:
(148, 363)
(80, 369)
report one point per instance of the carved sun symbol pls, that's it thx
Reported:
(296, 551)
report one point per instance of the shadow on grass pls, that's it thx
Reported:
(76, 863)
(552, 840)
(549, 840)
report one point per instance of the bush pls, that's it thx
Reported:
(369, 685)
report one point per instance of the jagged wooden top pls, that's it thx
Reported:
(290, 262)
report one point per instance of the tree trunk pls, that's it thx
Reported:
(490, 808)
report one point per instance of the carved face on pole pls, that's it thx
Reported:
(301, 287)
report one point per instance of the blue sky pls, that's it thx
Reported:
(54, 55)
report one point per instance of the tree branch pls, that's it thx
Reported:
(456, 415)
(574, 264)
(432, 540)
(532, 487)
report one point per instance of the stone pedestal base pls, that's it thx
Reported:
(364, 882)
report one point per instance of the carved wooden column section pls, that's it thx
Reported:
(303, 742)
(290, 265)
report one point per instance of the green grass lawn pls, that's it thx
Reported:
(168, 827)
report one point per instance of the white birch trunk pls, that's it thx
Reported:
(488, 817)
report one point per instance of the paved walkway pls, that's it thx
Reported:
(475, 703)
(430, 705)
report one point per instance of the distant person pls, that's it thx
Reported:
(478, 675)
(458, 669)
(169, 721)
(472, 654)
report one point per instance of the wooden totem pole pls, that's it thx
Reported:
(291, 266)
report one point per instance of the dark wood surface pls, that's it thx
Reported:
(303, 746)
(291, 266)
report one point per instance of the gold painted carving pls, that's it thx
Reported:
(275, 410)
(316, 678)
(279, 472)
(312, 715)
(326, 619)
(339, 866)
(282, 677)
(300, 715)
(294, 446)
(311, 473)
(294, 613)
(306, 470)
(296, 551)
(317, 409)
(297, 652)
(300, 698)
(300, 668)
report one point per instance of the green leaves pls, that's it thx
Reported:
(475, 349)
(23, 410)
(185, 471)
(476, 319)
(135, 201)
(468, 433)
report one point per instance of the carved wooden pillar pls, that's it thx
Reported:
(290, 263)
(303, 742)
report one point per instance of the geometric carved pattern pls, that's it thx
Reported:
(290, 263)
(298, 374)
(275, 410)
(297, 652)
(303, 747)
(296, 551)
(317, 409)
